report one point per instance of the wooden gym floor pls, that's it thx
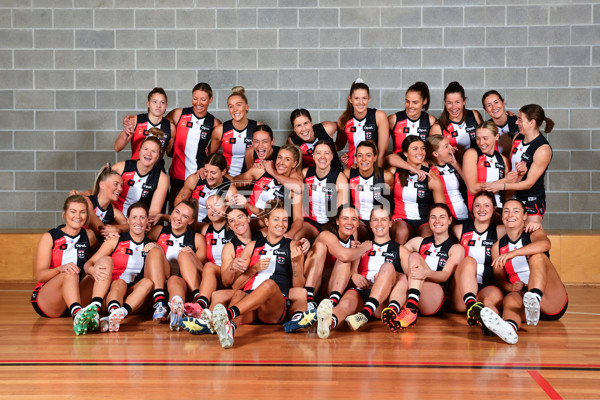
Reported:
(438, 359)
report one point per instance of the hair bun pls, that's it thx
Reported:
(238, 90)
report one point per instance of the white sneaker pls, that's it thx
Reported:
(222, 326)
(356, 320)
(532, 308)
(324, 314)
(499, 326)
(114, 319)
(176, 315)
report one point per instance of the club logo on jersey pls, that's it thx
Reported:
(189, 124)
(130, 182)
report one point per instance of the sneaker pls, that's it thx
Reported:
(356, 320)
(532, 308)
(83, 319)
(389, 317)
(195, 326)
(324, 315)
(114, 319)
(222, 326)
(160, 312)
(308, 319)
(407, 317)
(104, 325)
(499, 326)
(193, 310)
(176, 314)
(473, 317)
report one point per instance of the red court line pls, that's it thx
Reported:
(546, 387)
(305, 362)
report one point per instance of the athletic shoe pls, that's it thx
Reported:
(389, 317)
(324, 315)
(222, 326)
(114, 319)
(83, 319)
(407, 317)
(195, 326)
(176, 314)
(193, 310)
(356, 320)
(104, 325)
(160, 312)
(308, 319)
(499, 326)
(473, 317)
(532, 308)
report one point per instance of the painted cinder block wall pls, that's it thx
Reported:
(71, 69)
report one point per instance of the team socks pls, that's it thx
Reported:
(413, 299)
(370, 307)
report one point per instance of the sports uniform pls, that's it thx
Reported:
(407, 127)
(215, 241)
(489, 169)
(140, 133)
(479, 246)
(137, 187)
(412, 201)
(65, 249)
(235, 143)
(172, 245)
(308, 148)
(322, 196)
(366, 192)
(191, 141)
(534, 198)
(129, 258)
(454, 191)
(462, 135)
(203, 191)
(360, 130)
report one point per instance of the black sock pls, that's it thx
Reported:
(195, 295)
(126, 309)
(469, 299)
(74, 308)
(413, 299)
(370, 307)
(335, 297)
(297, 316)
(334, 321)
(159, 296)
(97, 301)
(203, 301)
(112, 305)
(537, 293)
(394, 305)
(513, 324)
(233, 312)
(310, 294)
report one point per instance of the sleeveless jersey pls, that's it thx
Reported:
(308, 148)
(191, 141)
(435, 255)
(137, 187)
(106, 215)
(264, 189)
(366, 192)
(322, 195)
(507, 132)
(202, 192)
(66, 249)
(479, 246)
(280, 264)
(371, 262)
(462, 135)
(215, 240)
(489, 169)
(522, 151)
(516, 269)
(141, 132)
(129, 258)
(412, 202)
(235, 143)
(407, 127)
(454, 190)
(359, 130)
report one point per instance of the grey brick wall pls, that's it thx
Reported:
(68, 75)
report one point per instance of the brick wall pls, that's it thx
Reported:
(71, 69)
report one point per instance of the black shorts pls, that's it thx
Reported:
(36, 306)
(534, 205)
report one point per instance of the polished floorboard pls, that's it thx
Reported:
(440, 358)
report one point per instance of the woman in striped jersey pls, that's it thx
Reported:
(359, 123)
(523, 270)
(63, 284)
(429, 267)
